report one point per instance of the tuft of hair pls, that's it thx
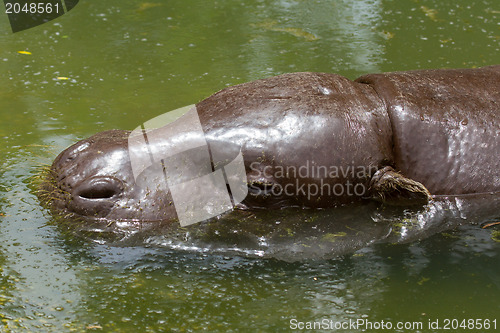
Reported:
(392, 188)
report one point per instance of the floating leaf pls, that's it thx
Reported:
(23, 52)
(62, 78)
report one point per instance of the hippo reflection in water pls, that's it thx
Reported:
(423, 141)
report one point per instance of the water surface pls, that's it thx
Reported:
(115, 64)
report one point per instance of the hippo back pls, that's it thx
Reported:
(302, 121)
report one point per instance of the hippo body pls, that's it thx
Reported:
(403, 137)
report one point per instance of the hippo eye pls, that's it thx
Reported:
(77, 150)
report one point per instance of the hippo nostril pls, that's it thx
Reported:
(98, 193)
(99, 188)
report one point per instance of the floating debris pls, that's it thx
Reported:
(387, 34)
(490, 224)
(429, 12)
(24, 52)
(94, 327)
(147, 5)
(62, 78)
(332, 237)
(297, 32)
(495, 235)
(423, 280)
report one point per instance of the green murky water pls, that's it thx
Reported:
(115, 64)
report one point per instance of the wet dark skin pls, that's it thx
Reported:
(417, 134)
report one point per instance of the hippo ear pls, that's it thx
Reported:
(392, 188)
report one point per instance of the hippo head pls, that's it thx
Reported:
(93, 178)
